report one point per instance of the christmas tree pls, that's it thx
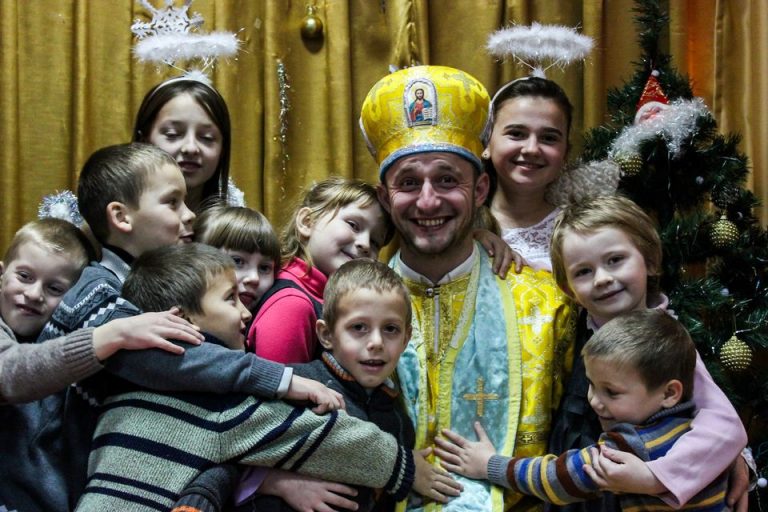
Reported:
(691, 179)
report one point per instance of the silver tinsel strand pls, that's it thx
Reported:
(285, 107)
(61, 205)
(584, 180)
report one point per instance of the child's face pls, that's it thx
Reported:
(162, 218)
(606, 272)
(369, 335)
(352, 232)
(255, 275)
(32, 286)
(618, 394)
(528, 144)
(183, 129)
(223, 316)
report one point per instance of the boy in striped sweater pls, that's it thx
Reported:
(640, 367)
(149, 445)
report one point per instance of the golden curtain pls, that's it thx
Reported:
(70, 84)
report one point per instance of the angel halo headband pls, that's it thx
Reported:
(532, 46)
(169, 38)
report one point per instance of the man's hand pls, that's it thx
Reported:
(738, 486)
(326, 399)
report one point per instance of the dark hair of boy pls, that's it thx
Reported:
(652, 342)
(115, 173)
(359, 274)
(175, 275)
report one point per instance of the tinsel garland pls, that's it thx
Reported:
(285, 106)
(584, 180)
(61, 205)
(675, 124)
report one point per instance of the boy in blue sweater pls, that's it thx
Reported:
(150, 445)
(132, 197)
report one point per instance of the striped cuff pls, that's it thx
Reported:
(497, 470)
(79, 354)
(403, 475)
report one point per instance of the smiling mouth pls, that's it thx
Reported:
(430, 223)
(188, 238)
(529, 165)
(29, 310)
(373, 363)
(609, 295)
(247, 298)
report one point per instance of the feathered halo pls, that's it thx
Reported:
(534, 45)
(168, 38)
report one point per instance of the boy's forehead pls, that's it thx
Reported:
(41, 254)
(363, 291)
(223, 277)
(164, 175)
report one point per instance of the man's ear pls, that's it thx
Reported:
(2, 272)
(324, 334)
(119, 217)
(482, 187)
(381, 192)
(673, 393)
(303, 222)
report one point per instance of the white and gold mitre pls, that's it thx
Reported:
(425, 109)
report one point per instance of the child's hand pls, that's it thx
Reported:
(313, 495)
(432, 482)
(148, 330)
(465, 457)
(738, 485)
(326, 399)
(503, 256)
(617, 471)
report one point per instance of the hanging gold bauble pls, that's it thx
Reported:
(630, 163)
(311, 24)
(735, 355)
(724, 233)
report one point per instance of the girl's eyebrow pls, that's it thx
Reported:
(546, 129)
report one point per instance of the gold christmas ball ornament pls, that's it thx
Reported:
(311, 24)
(724, 233)
(630, 164)
(735, 355)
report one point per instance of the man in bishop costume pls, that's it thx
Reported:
(483, 348)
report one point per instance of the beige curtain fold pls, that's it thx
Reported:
(71, 85)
